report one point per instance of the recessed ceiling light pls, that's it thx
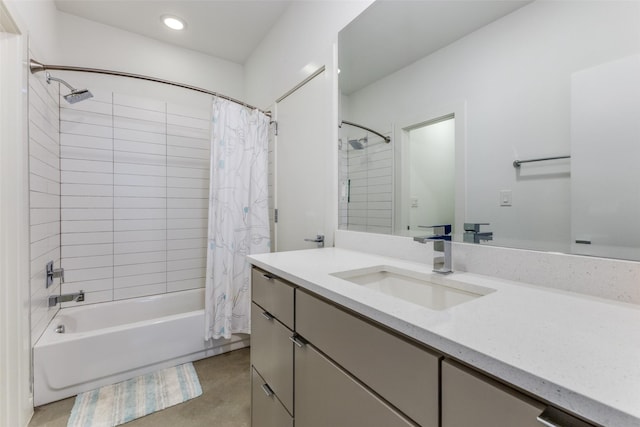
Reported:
(173, 22)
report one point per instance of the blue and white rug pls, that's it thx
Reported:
(119, 403)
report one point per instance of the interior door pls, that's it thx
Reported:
(304, 166)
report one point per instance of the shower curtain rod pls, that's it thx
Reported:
(386, 138)
(37, 67)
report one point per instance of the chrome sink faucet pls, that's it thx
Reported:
(441, 245)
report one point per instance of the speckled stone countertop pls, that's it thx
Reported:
(577, 352)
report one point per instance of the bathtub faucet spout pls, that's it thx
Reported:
(57, 299)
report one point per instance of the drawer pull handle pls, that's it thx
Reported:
(268, 276)
(267, 315)
(298, 341)
(267, 390)
(552, 417)
(546, 422)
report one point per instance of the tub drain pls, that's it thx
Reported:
(60, 329)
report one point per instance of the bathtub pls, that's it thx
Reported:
(111, 342)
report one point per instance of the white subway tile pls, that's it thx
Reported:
(139, 169)
(46, 122)
(86, 190)
(188, 172)
(48, 141)
(48, 155)
(189, 122)
(186, 244)
(86, 214)
(41, 216)
(140, 180)
(137, 269)
(139, 280)
(38, 265)
(201, 223)
(186, 162)
(43, 231)
(177, 254)
(187, 213)
(86, 166)
(139, 258)
(140, 202)
(40, 91)
(86, 177)
(139, 291)
(187, 131)
(86, 129)
(80, 153)
(85, 117)
(194, 273)
(139, 159)
(183, 285)
(86, 238)
(187, 182)
(194, 153)
(139, 102)
(90, 105)
(188, 233)
(139, 114)
(139, 147)
(187, 193)
(140, 125)
(174, 203)
(87, 262)
(43, 200)
(43, 185)
(186, 142)
(87, 226)
(141, 136)
(44, 246)
(139, 236)
(86, 202)
(140, 224)
(88, 286)
(137, 247)
(139, 213)
(125, 191)
(189, 111)
(40, 168)
(72, 275)
(187, 264)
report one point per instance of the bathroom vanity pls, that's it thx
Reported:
(334, 345)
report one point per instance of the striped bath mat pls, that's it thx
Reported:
(119, 403)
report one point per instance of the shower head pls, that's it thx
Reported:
(76, 95)
(358, 144)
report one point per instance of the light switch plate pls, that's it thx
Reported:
(506, 198)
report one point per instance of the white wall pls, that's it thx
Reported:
(16, 403)
(303, 37)
(491, 70)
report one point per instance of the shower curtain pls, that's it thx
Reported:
(238, 215)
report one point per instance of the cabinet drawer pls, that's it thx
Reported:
(327, 396)
(401, 372)
(266, 410)
(272, 354)
(274, 295)
(469, 398)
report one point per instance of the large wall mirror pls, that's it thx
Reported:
(523, 116)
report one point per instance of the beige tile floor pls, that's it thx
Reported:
(225, 399)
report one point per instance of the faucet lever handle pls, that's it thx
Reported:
(438, 229)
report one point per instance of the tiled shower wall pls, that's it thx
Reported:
(134, 185)
(369, 180)
(44, 195)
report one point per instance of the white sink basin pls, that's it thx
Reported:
(433, 291)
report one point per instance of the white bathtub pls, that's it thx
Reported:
(111, 342)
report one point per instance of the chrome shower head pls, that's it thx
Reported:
(358, 144)
(76, 95)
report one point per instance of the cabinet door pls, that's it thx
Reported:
(274, 295)
(266, 410)
(471, 399)
(404, 374)
(272, 354)
(326, 396)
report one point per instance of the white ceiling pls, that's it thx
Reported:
(227, 29)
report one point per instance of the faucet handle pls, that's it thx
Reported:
(474, 226)
(438, 229)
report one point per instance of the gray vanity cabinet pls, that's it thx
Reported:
(402, 373)
(326, 396)
(271, 350)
